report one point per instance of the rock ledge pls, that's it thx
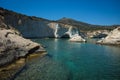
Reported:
(13, 46)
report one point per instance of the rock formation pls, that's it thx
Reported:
(58, 30)
(61, 30)
(76, 38)
(13, 46)
(33, 27)
(97, 34)
(113, 38)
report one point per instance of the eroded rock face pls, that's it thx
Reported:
(33, 27)
(112, 38)
(66, 31)
(58, 30)
(62, 30)
(13, 46)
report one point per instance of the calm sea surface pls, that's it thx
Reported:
(73, 61)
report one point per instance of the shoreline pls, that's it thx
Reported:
(108, 44)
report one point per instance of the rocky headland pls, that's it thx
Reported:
(113, 38)
(13, 46)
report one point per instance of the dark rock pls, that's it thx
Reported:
(100, 36)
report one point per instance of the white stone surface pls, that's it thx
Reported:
(77, 38)
(112, 38)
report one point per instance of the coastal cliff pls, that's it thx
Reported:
(14, 48)
(33, 27)
(12, 44)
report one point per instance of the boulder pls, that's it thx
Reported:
(77, 38)
(13, 46)
(113, 38)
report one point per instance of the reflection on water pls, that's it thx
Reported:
(73, 61)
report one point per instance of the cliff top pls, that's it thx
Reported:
(86, 26)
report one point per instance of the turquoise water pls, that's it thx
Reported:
(73, 61)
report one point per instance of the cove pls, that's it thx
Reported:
(73, 61)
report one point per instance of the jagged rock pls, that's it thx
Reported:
(13, 46)
(113, 38)
(77, 38)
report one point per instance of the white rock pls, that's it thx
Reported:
(77, 38)
(112, 38)
(13, 46)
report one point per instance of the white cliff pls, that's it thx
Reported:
(69, 32)
(113, 38)
(74, 35)
(55, 27)
(33, 27)
(56, 30)
(59, 30)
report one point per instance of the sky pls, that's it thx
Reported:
(100, 12)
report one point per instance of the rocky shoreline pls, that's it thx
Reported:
(13, 49)
(9, 72)
(113, 38)
(14, 46)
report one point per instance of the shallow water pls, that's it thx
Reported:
(73, 61)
